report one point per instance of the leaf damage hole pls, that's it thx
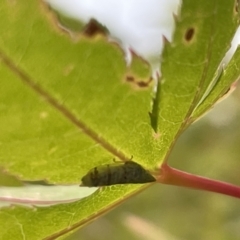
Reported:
(138, 83)
(189, 34)
(74, 27)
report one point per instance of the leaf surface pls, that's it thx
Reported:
(66, 106)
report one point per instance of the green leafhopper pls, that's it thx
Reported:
(128, 172)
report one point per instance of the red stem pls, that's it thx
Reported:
(176, 177)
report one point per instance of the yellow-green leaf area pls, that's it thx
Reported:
(66, 106)
(228, 76)
(191, 61)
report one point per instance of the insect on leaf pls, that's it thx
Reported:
(117, 173)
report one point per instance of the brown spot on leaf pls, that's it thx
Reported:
(189, 34)
(143, 84)
(93, 28)
(130, 78)
(138, 83)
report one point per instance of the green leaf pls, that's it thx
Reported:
(67, 106)
(190, 65)
(8, 180)
(223, 86)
